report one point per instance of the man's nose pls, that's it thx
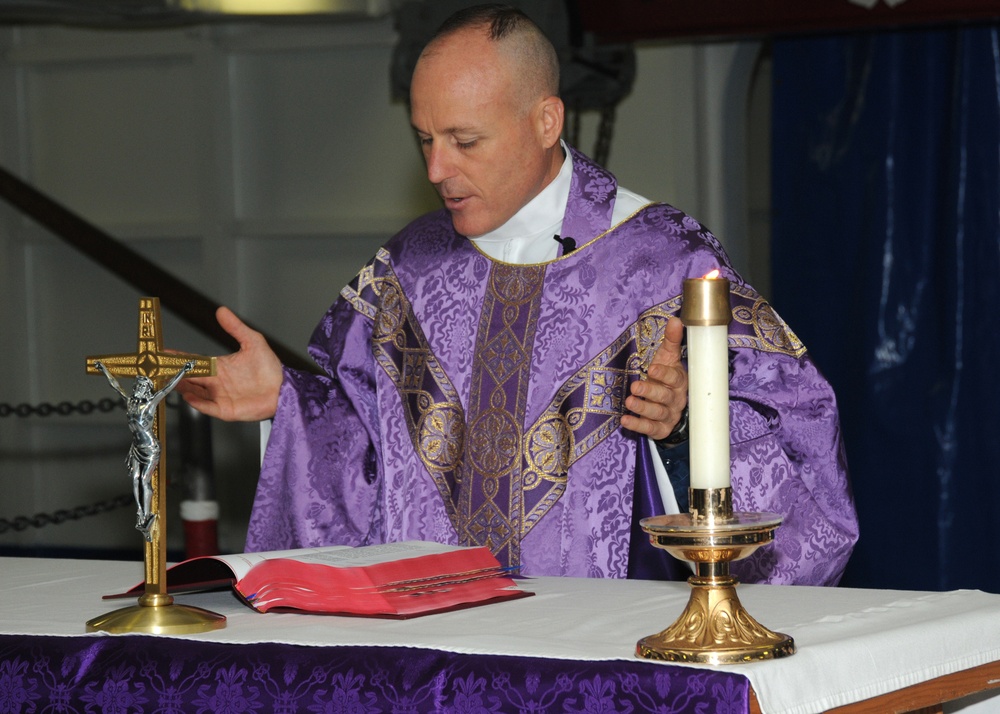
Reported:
(439, 163)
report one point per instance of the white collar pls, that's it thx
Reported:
(526, 237)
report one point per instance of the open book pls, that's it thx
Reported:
(391, 580)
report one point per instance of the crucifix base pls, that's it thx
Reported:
(157, 614)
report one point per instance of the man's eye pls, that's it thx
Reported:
(466, 144)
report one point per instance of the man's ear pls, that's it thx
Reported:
(551, 117)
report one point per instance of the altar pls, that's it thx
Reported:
(569, 647)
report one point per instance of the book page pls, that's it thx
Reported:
(370, 554)
(337, 556)
(240, 563)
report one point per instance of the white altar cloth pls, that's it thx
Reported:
(852, 644)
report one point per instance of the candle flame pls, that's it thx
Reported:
(712, 274)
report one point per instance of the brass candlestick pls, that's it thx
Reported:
(714, 628)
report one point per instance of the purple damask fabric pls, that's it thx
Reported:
(476, 402)
(173, 676)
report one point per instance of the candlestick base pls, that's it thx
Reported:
(157, 614)
(714, 628)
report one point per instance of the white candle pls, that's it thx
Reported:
(706, 316)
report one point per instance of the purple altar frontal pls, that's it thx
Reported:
(570, 647)
(145, 673)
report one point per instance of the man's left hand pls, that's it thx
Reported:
(657, 402)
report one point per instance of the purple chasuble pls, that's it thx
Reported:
(471, 401)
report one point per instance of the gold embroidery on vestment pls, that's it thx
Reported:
(365, 279)
(490, 448)
(433, 411)
(771, 333)
(491, 505)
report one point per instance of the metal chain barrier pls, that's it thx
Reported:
(40, 520)
(61, 409)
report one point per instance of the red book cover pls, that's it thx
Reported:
(390, 580)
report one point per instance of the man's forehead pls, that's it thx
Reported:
(456, 107)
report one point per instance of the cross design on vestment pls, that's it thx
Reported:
(161, 368)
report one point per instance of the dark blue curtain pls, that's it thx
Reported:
(886, 243)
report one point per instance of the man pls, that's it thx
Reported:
(486, 384)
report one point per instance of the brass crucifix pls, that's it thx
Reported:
(156, 373)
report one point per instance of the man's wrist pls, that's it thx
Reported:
(679, 434)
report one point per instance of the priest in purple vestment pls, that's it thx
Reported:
(507, 371)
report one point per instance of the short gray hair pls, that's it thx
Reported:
(517, 35)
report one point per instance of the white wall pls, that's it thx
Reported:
(264, 165)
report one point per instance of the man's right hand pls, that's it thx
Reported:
(247, 382)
